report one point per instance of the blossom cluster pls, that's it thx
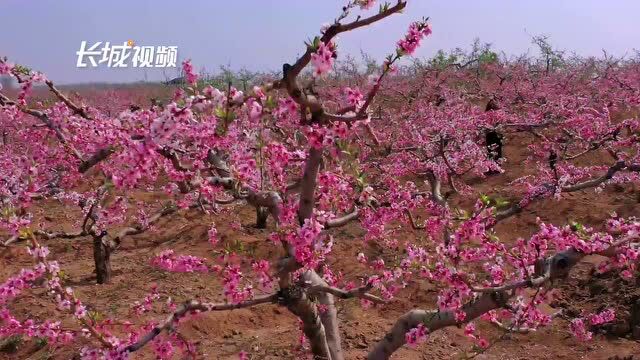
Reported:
(323, 58)
(417, 31)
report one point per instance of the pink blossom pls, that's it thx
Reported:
(163, 349)
(354, 97)
(417, 31)
(187, 67)
(38, 252)
(261, 268)
(322, 58)
(80, 311)
(255, 110)
(483, 343)
(469, 330)
(417, 335)
(579, 330)
(167, 260)
(366, 4)
(603, 317)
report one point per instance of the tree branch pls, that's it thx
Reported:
(70, 104)
(338, 28)
(554, 267)
(433, 320)
(618, 166)
(195, 306)
(4, 101)
(344, 220)
(360, 292)
(98, 156)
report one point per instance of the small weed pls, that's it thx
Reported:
(11, 344)
(41, 342)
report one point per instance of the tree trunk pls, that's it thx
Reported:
(300, 305)
(261, 217)
(102, 258)
(328, 317)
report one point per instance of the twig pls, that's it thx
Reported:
(195, 306)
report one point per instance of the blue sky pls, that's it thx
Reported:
(263, 34)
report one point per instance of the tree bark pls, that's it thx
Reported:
(308, 184)
(102, 258)
(300, 305)
(328, 317)
(261, 217)
(432, 320)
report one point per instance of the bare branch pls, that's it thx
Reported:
(414, 225)
(360, 292)
(215, 158)
(76, 109)
(140, 228)
(344, 220)
(195, 306)
(597, 181)
(60, 234)
(98, 156)
(516, 285)
(10, 240)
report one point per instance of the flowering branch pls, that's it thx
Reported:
(554, 267)
(618, 166)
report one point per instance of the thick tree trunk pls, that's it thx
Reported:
(296, 299)
(308, 184)
(102, 258)
(261, 217)
(329, 316)
(304, 308)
